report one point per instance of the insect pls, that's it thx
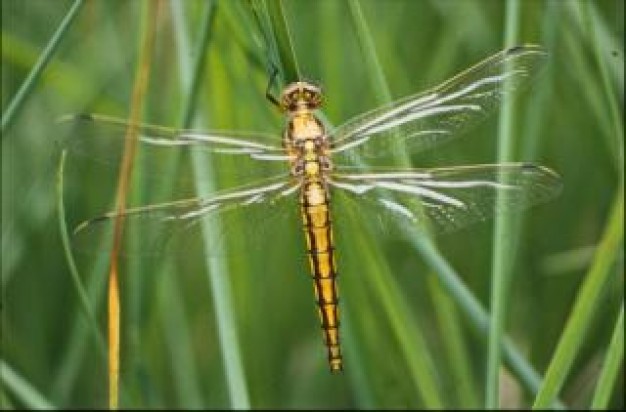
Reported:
(321, 163)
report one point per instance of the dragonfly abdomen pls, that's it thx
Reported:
(321, 253)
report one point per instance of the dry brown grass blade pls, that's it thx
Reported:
(139, 91)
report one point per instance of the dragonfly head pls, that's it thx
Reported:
(301, 95)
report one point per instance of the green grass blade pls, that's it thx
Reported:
(177, 331)
(23, 391)
(27, 86)
(412, 341)
(375, 70)
(358, 375)
(473, 310)
(217, 270)
(60, 77)
(569, 119)
(197, 69)
(282, 38)
(76, 346)
(503, 236)
(587, 11)
(455, 347)
(240, 22)
(177, 336)
(376, 274)
(419, 360)
(258, 10)
(90, 298)
(587, 300)
(224, 308)
(610, 369)
(426, 248)
(76, 281)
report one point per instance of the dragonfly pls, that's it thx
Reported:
(320, 163)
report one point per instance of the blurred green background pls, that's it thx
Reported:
(204, 329)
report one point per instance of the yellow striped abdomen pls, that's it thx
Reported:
(320, 249)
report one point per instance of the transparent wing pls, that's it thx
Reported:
(446, 199)
(93, 130)
(421, 121)
(156, 228)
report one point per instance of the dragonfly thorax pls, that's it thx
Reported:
(306, 140)
(304, 126)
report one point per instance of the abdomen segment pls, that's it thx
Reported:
(320, 249)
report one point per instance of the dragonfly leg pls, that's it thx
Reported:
(270, 84)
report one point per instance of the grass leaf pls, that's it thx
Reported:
(282, 38)
(216, 267)
(503, 234)
(587, 300)
(614, 357)
(27, 86)
(76, 281)
(22, 389)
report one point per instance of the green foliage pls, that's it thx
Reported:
(236, 327)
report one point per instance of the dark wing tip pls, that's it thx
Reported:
(79, 228)
(525, 48)
(83, 225)
(549, 177)
(535, 168)
(75, 116)
(84, 116)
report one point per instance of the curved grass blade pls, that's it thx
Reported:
(612, 361)
(78, 285)
(587, 300)
(30, 81)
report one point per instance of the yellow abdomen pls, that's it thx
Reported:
(320, 250)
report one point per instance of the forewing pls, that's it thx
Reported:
(102, 138)
(445, 199)
(418, 122)
(246, 213)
